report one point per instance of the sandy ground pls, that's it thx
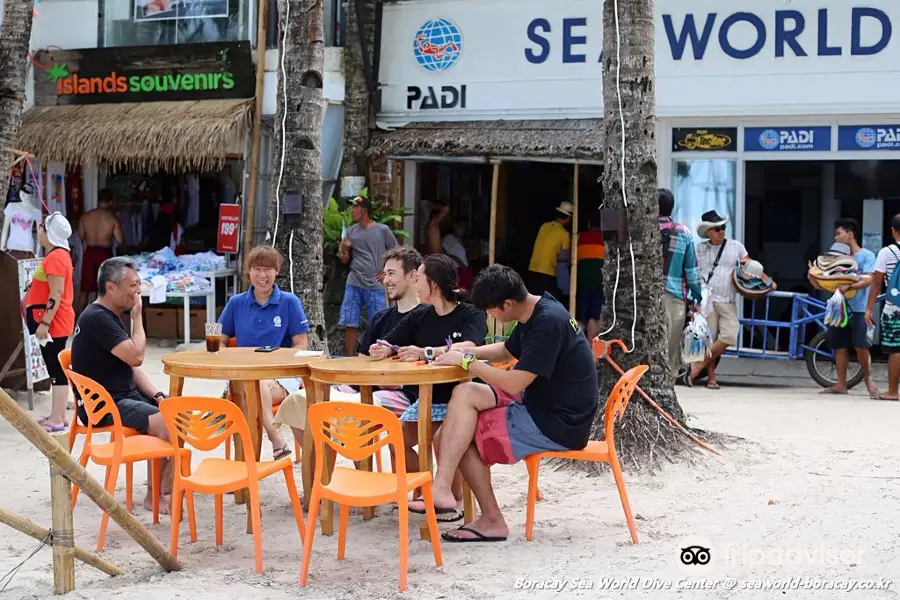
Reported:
(812, 494)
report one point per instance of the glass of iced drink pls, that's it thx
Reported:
(213, 337)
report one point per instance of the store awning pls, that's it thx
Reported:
(573, 139)
(178, 136)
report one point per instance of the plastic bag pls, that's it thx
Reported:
(837, 313)
(706, 301)
(696, 340)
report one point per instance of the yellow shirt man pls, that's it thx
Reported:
(552, 238)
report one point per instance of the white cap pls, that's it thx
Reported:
(58, 230)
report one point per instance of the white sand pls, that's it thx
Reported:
(580, 533)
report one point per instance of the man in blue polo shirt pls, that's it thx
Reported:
(266, 316)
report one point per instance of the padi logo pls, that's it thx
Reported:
(787, 139)
(879, 138)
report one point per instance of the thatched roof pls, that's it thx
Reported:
(153, 135)
(563, 138)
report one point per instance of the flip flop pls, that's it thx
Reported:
(874, 391)
(881, 397)
(713, 386)
(452, 516)
(828, 391)
(50, 428)
(438, 511)
(43, 420)
(479, 537)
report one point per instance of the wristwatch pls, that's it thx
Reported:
(429, 353)
(157, 395)
(468, 359)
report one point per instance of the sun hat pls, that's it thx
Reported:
(565, 208)
(58, 230)
(751, 280)
(710, 220)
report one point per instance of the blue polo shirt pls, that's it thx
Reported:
(273, 324)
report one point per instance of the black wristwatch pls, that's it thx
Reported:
(159, 395)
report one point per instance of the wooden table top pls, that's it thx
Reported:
(362, 370)
(237, 364)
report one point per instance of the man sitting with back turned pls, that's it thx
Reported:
(103, 350)
(547, 402)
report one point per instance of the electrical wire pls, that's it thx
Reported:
(291, 260)
(287, 16)
(624, 193)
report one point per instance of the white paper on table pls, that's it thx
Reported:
(158, 291)
(309, 353)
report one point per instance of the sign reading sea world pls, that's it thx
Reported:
(787, 139)
(869, 137)
(438, 44)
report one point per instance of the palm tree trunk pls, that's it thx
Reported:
(643, 437)
(359, 47)
(299, 142)
(15, 36)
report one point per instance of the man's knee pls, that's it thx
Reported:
(156, 427)
(410, 433)
(474, 395)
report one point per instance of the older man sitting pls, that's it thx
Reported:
(103, 350)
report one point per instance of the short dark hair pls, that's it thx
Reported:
(440, 270)
(105, 195)
(666, 202)
(895, 222)
(112, 270)
(848, 225)
(497, 284)
(407, 256)
(266, 257)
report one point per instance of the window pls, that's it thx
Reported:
(168, 22)
(703, 185)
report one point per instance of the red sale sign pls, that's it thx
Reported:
(229, 228)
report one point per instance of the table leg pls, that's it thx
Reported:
(308, 458)
(366, 398)
(424, 443)
(237, 397)
(251, 397)
(187, 320)
(326, 509)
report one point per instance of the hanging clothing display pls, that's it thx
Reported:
(56, 187)
(21, 217)
(192, 181)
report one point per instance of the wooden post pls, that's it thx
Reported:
(255, 141)
(25, 526)
(492, 241)
(62, 460)
(573, 279)
(63, 539)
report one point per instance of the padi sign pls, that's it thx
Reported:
(146, 74)
(869, 137)
(787, 139)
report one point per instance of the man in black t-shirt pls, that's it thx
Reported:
(103, 350)
(546, 402)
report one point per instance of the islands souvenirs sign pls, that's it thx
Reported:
(710, 139)
(145, 74)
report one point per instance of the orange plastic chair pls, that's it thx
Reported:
(76, 429)
(121, 450)
(194, 421)
(232, 343)
(356, 431)
(604, 451)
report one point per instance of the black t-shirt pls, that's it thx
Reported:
(562, 400)
(382, 324)
(423, 328)
(97, 332)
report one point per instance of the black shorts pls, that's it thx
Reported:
(50, 352)
(135, 409)
(852, 335)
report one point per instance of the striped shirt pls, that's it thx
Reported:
(721, 285)
(591, 253)
(683, 275)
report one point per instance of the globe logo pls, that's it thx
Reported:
(866, 137)
(769, 139)
(438, 44)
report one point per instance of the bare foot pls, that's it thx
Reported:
(493, 528)
(165, 504)
(443, 500)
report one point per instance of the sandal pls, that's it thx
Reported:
(479, 537)
(283, 452)
(53, 428)
(873, 390)
(887, 399)
(712, 385)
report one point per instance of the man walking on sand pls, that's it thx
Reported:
(98, 229)
(885, 265)
(363, 249)
(546, 402)
(853, 335)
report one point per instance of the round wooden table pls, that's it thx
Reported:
(244, 368)
(367, 373)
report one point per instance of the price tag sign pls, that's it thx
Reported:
(228, 236)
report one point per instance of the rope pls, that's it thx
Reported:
(12, 573)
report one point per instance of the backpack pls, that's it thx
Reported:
(893, 284)
(667, 249)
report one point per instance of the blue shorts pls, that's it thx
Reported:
(589, 305)
(354, 299)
